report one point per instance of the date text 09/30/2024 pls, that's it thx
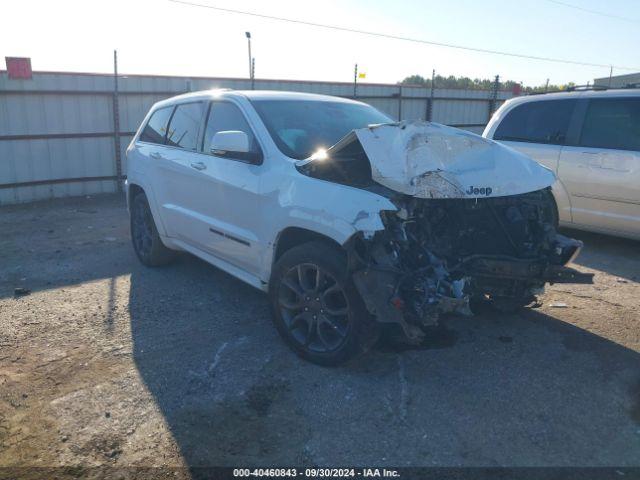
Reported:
(316, 472)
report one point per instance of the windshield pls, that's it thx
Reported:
(300, 128)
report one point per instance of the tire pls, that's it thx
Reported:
(316, 307)
(144, 235)
(552, 211)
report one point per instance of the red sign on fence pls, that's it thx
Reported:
(18, 68)
(517, 89)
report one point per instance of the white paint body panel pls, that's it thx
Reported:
(231, 213)
(604, 186)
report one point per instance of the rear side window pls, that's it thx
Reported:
(224, 116)
(184, 125)
(156, 128)
(537, 122)
(612, 123)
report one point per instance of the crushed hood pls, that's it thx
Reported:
(429, 160)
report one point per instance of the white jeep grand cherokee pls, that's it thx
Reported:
(349, 221)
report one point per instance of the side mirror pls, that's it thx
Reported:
(229, 141)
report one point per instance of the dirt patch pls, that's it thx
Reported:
(260, 397)
(102, 447)
(243, 429)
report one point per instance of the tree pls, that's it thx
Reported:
(415, 80)
(478, 84)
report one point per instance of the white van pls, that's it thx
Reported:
(591, 140)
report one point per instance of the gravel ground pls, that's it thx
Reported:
(107, 362)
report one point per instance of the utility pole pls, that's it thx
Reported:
(248, 35)
(116, 123)
(355, 81)
(493, 96)
(546, 86)
(253, 73)
(610, 75)
(431, 96)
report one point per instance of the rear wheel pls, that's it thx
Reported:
(144, 235)
(316, 307)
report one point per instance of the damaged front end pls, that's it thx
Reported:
(475, 222)
(437, 255)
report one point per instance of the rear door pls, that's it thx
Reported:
(539, 129)
(602, 169)
(174, 171)
(150, 160)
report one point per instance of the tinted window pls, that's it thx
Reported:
(183, 128)
(224, 116)
(156, 128)
(612, 123)
(538, 122)
(301, 127)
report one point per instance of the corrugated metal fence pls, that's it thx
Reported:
(57, 134)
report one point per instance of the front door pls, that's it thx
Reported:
(222, 193)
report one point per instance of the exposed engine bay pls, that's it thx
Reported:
(443, 255)
(451, 244)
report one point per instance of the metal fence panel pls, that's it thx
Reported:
(56, 130)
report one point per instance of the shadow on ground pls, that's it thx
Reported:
(614, 255)
(494, 390)
(72, 240)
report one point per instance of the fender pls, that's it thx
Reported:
(329, 209)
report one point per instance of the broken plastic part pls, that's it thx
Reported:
(436, 255)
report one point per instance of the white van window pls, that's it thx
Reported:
(612, 123)
(537, 122)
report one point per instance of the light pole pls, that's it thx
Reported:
(355, 81)
(248, 35)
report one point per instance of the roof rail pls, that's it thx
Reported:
(580, 88)
(583, 88)
(574, 88)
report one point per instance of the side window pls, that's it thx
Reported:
(537, 122)
(612, 123)
(156, 128)
(183, 128)
(225, 116)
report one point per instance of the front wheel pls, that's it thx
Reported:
(316, 307)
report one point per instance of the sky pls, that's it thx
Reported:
(161, 37)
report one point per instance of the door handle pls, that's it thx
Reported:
(156, 155)
(198, 165)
